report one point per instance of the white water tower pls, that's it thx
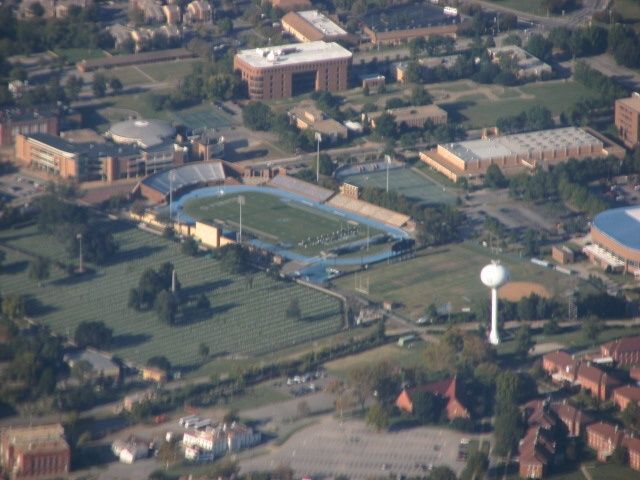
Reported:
(494, 276)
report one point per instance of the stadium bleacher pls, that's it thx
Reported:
(300, 187)
(185, 176)
(369, 210)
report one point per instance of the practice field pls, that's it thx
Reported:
(278, 221)
(407, 182)
(208, 117)
(74, 55)
(446, 275)
(528, 6)
(247, 315)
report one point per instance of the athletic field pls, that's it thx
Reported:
(407, 182)
(209, 117)
(278, 221)
(247, 315)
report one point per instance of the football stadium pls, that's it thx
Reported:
(294, 219)
(615, 235)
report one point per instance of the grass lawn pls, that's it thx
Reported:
(611, 471)
(74, 55)
(202, 116)
(275, 220)
(450, 274)
(129, 76)
(629, 9)
(169, 71)
(246, 318)
(479, 111)
(405, 357)
(258, 396)
(407, 182)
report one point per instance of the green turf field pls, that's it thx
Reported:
(74, 55)
(247, 316)
(274, 220)
(450, 274)
(407, 182)
(209, 117)
(527, 6)
(169, 71)
(629, 9)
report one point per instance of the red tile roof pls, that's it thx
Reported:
(628, 391)
(622, 345)
(605, 430)
(560, 359)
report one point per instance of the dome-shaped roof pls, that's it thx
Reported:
(145, 133)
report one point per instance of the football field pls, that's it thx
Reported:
(278, 221)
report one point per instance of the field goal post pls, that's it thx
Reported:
(361, 284)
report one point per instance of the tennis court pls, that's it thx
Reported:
(405, 181)
(209, 117)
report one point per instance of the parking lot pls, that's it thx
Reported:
(351, 448)
(20, 189)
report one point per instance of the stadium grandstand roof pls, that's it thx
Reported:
(369, 210)
(185, 176)
(308, 190)
(621, 224)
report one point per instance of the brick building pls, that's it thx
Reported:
(537, 450)
(561, 366)
(35, 452)
(311, 26)
(573, 419)
(624, 395)
(289, 70)
(627, 119)
(15, 121)
(598, 383)
(412, 117)
(604, 438)
(633, 449)
(289, 5)
(445, 388)
(199, 11)
(624, 351)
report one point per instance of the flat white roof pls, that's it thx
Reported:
(522, 143)
(294, 54)
(322, 23)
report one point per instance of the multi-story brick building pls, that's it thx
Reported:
(604, 438)
(445, 388)
(34, 452)
(624, 351)
(537, 450)
(574, 420)
(633, 449)
(561, 366)
(598, 383)
(311, 26)
(15, 121)
(627, 119)
(624, 395)
(290, 70)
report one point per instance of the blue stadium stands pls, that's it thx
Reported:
(194, 174)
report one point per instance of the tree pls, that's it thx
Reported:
(115, 85)
(427, 407)
(631, 416)
(160, 362)
(540, 47)
(293, 309)
(36, 9)
(166, 307)
(303, 410)
(326, 165)
(168, 453)
(591, 328)
(225, 26)
(3, 257)
(203, 351)
(39, 269)
(81, 370)
(189, 247)
(93, 334)
(442, 473)
(507, 430)
(378, 416)
(257, 116)
(386, 128)
(13, 306)
(203, 303)
(99, 85)
(494, 178)
(73, 86)
(420, 96)
(524, 341)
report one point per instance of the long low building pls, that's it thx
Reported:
(615, 235)
(289, 70)
(134, 59)
(311, 26)
(513, 153)
(414, 117)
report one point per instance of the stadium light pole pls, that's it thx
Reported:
(81, 263)
(387, 159)
(171, 175)
(318, 139)
(240, 202)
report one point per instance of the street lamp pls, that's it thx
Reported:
(81, 267)
(387, 160)
(318, 138)
(240, 202)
